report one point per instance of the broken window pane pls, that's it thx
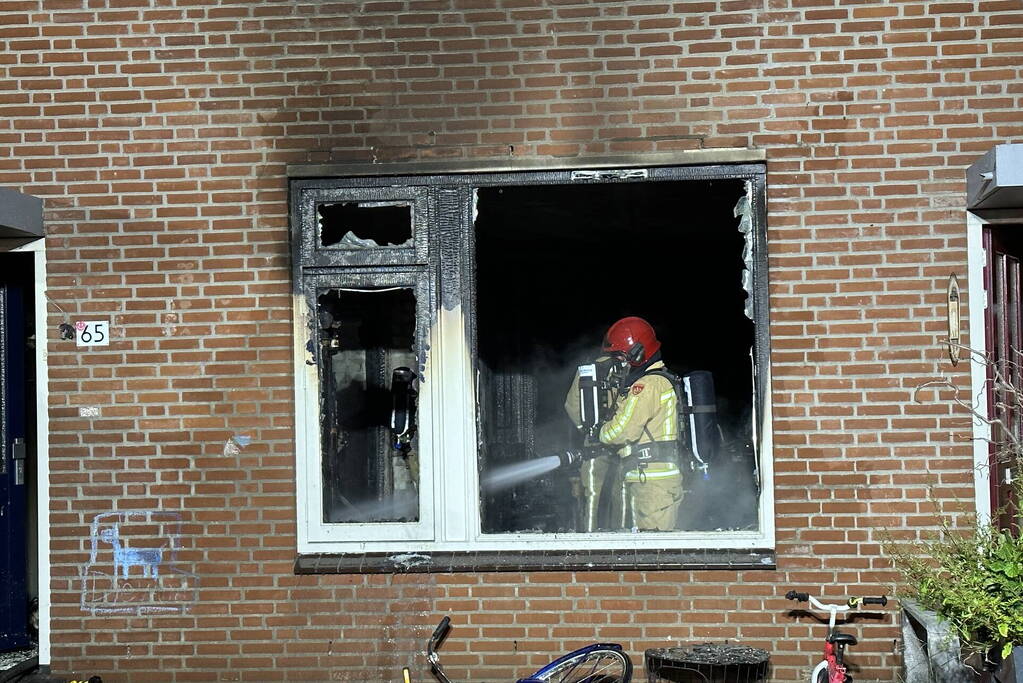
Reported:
(580, 258)
(368, 369)
(365, 225)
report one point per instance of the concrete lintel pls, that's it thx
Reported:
(405, 168)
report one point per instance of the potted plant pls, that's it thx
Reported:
(973, 580)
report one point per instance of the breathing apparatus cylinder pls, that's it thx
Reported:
(598, 382)
(699, 410)
(590, 407)
(697, 417)
(403, 408)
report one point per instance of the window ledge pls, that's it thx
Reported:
(526, 560)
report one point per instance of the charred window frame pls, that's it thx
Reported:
(365, 294)
(437, 260)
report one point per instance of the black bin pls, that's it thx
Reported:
(707, 663)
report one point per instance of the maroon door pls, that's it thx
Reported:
(1004, 331)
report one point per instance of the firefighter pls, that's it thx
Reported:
(644, 427)
(598, 476)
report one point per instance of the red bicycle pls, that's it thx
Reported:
(832, 669)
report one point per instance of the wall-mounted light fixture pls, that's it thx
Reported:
(953, 319)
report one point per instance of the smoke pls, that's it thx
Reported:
(390, 509)
(728, 497)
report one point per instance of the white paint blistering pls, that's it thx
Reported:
(406, 561)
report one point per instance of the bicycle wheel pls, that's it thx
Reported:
(822, 676)
(593, 664)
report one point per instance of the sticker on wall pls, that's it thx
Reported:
(133, 565)
(93, 332)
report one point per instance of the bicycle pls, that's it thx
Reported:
(596, 663)
(832, 668)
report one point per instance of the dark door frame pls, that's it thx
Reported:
(21, 230)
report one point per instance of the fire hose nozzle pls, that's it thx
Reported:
(570, 458)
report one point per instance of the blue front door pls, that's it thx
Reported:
(15, 402)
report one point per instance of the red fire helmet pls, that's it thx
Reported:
(634, 338)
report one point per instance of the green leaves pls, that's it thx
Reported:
(972, 578)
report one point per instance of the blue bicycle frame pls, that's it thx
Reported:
(542, 676)
(596, 663)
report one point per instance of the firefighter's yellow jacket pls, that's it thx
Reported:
(645, 414)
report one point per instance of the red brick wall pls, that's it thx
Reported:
(158, 131)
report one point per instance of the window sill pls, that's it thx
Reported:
(530, 561)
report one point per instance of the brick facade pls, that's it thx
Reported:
(158, 133)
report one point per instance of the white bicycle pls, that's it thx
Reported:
(832, 668)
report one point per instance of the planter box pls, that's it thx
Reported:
(931, 654)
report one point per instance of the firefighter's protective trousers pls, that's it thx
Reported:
(595, 475)
(645, 414)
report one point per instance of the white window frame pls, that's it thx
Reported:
(449, 488)
(976, 262)
(308, 436)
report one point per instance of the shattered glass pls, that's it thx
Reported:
(365, 225)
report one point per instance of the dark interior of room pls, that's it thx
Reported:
(556, 266)
(385, 224)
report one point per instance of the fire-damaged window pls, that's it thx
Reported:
(367, 345)
(548, 360)
(582, 257)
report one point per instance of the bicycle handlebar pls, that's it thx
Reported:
(439, 633)
(438, 636)
(852, 602)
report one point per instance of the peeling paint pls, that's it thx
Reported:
(743, 211)
(168, 321)
(406, 561)
(451, 240)
(353, 241)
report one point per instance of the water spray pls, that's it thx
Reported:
(515, 473)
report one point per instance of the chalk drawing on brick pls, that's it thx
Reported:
(133, 565)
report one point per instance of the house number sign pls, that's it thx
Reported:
(93, 333)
